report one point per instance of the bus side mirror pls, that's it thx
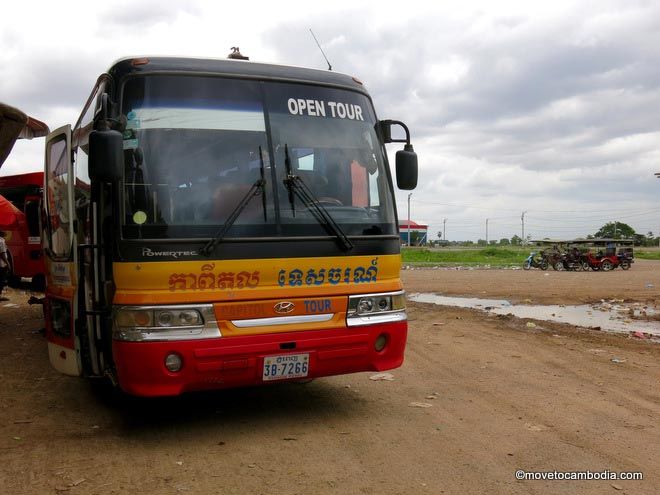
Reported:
(106, 156)
(406, 168)
(406, 159)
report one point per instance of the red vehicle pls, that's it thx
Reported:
(23, 237)
(606, 262)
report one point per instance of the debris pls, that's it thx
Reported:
(531, 325)
(532, 427)
(179, 463)
(252, 466)
(382, 377)
(527, 301)
(18, 439)
(290, 439)
(10, 305)
(640, 335)
(420, 404)
(77, 482)
(438, 324)
(617, 487)
(617, 360)
(650, 286)
(22, 421)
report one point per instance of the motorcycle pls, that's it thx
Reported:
(625, 260)
(574, 260)
(533, 262)
(602, 262)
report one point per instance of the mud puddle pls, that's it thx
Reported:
(610, 316)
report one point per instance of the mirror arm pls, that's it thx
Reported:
(405, 128)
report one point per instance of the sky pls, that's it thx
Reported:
(547, 108)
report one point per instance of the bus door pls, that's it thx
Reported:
(60, 253)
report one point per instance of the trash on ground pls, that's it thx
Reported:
(420, 404)
(531, 325)
(618, 360)
(382, 377)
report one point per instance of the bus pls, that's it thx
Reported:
(223, 223)
(24, 235)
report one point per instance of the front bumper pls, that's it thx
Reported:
(238, 361)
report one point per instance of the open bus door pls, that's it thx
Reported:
(60, 254)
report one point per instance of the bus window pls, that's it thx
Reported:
(57, 197)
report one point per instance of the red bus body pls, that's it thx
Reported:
(23, 236)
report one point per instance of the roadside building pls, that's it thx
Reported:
(418, 233)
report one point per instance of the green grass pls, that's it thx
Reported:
(647, 254)
(485, 256)
(493, 256)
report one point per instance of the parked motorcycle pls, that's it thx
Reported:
(625, 260)
(533, 261)
(602, 262)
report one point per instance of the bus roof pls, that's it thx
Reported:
(235, 68)
(29, 179)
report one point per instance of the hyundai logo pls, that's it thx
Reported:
(284, 307)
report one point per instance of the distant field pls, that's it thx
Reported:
(468, 256)
(493, 256)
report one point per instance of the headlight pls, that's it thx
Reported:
(376, 308)
(164, 323)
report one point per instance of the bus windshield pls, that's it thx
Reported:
(194, 147)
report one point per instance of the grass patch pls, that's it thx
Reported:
(493, 256)
(486, 256)
(647, 254)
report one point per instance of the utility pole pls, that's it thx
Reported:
(522, 219)
(657, 176)
(409, 194)
(487, 231)
(444, 228)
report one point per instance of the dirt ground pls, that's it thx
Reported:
(478, 398)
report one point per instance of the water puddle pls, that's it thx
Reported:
(613, 316)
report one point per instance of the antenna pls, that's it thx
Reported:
(322, 52)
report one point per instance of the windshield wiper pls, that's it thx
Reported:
(259, 187)
(296, 186)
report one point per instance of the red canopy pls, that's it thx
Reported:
(9, 214)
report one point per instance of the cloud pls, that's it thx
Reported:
(512, 105)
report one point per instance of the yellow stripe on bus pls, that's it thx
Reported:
(253, 279)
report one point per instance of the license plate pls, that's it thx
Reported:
(285, 366)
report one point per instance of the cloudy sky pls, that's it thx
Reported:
(514, 106)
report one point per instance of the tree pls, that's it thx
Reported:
(615, 230)
(516, 240)
(415, 237)
(482, 242)
(504, 242)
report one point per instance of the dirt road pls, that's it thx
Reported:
(478, 398)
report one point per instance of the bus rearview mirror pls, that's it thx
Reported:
(406, 168)
(106, 155)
